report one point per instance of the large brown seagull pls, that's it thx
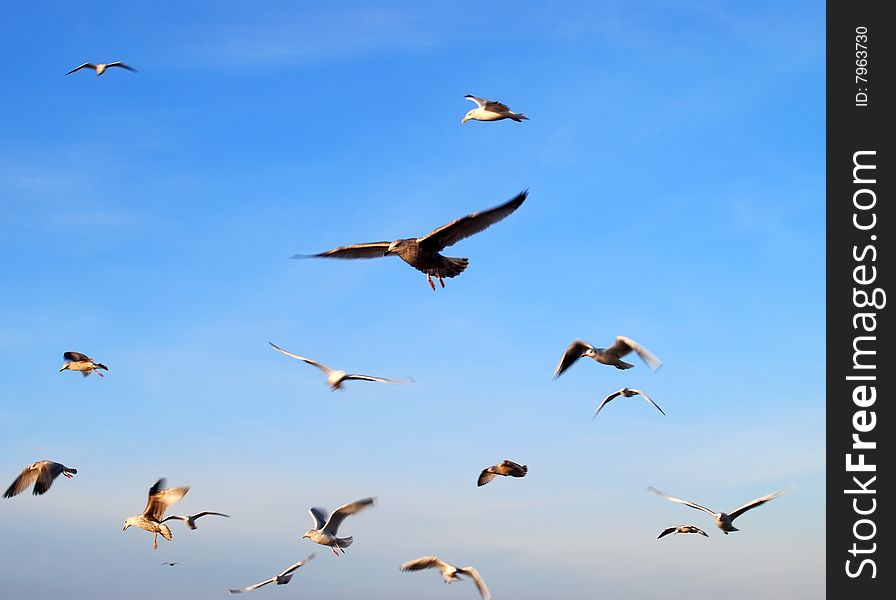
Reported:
(423, 253)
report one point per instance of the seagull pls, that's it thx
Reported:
(423, 253)
(723, 520)
(282, 579)
(508, 467)
(681, 529)
(100, 68)
(41, 474)
(324, 532)
(171, 564)
(606, 356)
(158, 502)
(190, 520)
(75, 361)
(450, 573)
(336, 378)
(628, 393)
(489, 110)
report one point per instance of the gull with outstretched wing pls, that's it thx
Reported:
(160, 498)
(627, 393)
(100, 68)
(325, 528)
(335, 378)
(41, 474)
(423, 253)
(606, 356)
(723, 520)
(490, 110)
(282, 578)
(450, 573)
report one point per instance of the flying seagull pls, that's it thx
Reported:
(606, 356)
(171, 564)
(324, 532)
(190, 520)
(723, 520)
(423, 253)
(628, 393)
(282, 579)
(75, 361)
(508, 467)
(336, 378)
(681, 529)
(489, 110)
(450, 573)
(41, 474)
(100, 68)
(158, 502)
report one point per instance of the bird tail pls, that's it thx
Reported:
(85, 373)
(519, 117)
(166, 533)
(623, 365)
(344, 542)
(284, 579)
(451, 267)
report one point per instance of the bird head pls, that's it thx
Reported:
(467, 117)
(394, 246)
(64, 367)
(128, 522)
(307, 534)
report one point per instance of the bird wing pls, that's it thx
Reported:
(46, 473)
(496, 107)
(607, 399)
(76, 357)
(208, 512)
(477, 579)
(249, 588)
(84, 66)
(23, 481)
(573, 353)
(425, 562)
(648, 399)
(624, 345)
(160, 499)
(319, 515)
(753, 504)
(457, 230)
(292, 568)
(339, 515)
(666, 531)
(368, 250)
(118, 63)
(516, 467)
(480, 102)
(379, 379)
(485, 476)
(320, 366)
(700, 531)
(680, 501)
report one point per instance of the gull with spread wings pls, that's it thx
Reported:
(450, 573)
(75, 361)
(423, 253)
(190, 520)
(606, 356)
(627, 393)
(100, 68)
(505, 468)
(336, 378)
(723, 520)
(41, 474)
(325, 528)
(489, 110)
(681, 529)
(158, 502)
(282, 579)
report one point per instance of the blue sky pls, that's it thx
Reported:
(675, 162)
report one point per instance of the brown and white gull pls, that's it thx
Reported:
(158, 502)
(41, 474)
(723, 520)
(423, 253)
(100, 68)
(606, 356)
(75, 361)
(628, 393)
(336, 378)
(508, 467)
(282, 579)
(681, 529)
(190, 520)
(325, 528)
(450, 573)
(489, 110)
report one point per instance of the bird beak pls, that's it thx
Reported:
(62, 369)
(125, 528)
(464, 120)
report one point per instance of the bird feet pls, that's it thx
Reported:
(430, 282)
(334, 551)
(155, 542)
(441, 281)
(101, 375)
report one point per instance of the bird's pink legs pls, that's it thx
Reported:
(155, 541)
(98, 373)
(440, 280)
(430, 282)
